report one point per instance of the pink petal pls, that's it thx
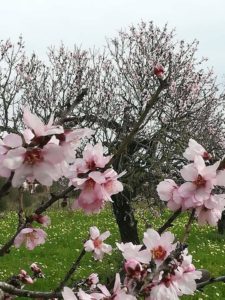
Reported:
(68, 294)
(21, 174)
(28, 135)
(220, 178)
(199, 163)
(33, 122)
(89, 246)
(44, 173)
(104, 290)
(106, 248)
(13, 140)
(151, 237)
(189, 172)
(97, 177)
(14, 158)
(168, 237)
(104, 235)
(94, 232)
(187, 189)
(117, 284)
(53, 153)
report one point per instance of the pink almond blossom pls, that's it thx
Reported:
(91, 197)
(96, 189)
(194, 149)
(69, 141)
(31, 237)
(133, 268)
(186, 275)
(163, 291)
(38, 127)
(159, 247)
(131, 251)
(40, 164)
(118, 292)
(201, 180)
(94, 157)
(180, 282)
(168, 191)
(211, 211)
(96, 245)
(92, 280)
(9, 142)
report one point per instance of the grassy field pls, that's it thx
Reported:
(69, 229)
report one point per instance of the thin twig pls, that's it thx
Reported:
(136, 127)
(71, 271)
(168, 223)
(79, 98)
(29, 220)
(20, 207)
(210, 281)
(188, 226)
(6, 186)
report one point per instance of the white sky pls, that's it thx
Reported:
(88, 22)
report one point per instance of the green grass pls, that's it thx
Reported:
(69, 230)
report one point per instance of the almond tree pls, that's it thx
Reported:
(109, 92)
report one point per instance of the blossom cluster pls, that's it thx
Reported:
(99, 184)
(198, 191)
(40, 153)
(157, 270)
(43, 154)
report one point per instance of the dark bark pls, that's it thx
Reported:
(125, 217)
(221, 224)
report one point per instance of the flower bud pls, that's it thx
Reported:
(44, 220)
(24, 277)
(158, 70)
(133, 268)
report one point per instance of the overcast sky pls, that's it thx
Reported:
(88, 22)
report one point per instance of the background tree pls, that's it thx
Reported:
(108, 92)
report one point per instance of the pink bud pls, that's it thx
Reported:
(25, 278)
(44, 220)
(133, 268)
(158, 70)
(34, 267)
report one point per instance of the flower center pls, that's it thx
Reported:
(206, 155)
(89, 184)
(91, 165)
(200, 181)
(31, 236)
(97, 243)
(33, 156)
(159, 253)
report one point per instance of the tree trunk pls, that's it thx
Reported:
(221, 224)
(125, 217)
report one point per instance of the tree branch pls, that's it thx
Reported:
(29, 220)
(136, 127)
(71, 271)
(188, 226)
(168, 223)
(210, 281)
(8, 288)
